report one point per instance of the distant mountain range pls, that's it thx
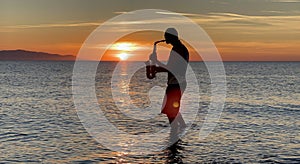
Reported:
(31, 55)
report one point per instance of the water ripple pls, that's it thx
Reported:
(260, 122)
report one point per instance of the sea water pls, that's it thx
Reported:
(260, 121)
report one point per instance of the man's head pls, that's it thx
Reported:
(171, 35)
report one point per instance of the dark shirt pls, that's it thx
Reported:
(177, 64)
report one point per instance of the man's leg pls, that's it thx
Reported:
(173, 123)
(180, 120)
(177, 124)
(174, 129)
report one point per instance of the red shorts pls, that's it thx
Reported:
(172, 99)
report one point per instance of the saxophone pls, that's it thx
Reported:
(150, 64)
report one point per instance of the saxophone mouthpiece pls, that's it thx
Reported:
(159, 41)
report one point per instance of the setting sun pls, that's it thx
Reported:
(123, 56)
(123, 49)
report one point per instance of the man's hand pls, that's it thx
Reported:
(160, 67)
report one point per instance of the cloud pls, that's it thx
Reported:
(211, 20)
(285, 1)
(245, 23)
(183, 14)
(274, 12)
(120, 12)
(84, 24)
(231, 20)
(227, 19)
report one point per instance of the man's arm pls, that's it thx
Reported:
(161, 67)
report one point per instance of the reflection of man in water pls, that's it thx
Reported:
(176, 69)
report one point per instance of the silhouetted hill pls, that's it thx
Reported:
(31, 55)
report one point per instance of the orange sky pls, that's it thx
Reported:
(141, 46)
(256, 30)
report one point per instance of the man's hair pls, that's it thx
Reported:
(172, 31)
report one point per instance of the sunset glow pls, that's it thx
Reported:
(124, 46)
(123, 56)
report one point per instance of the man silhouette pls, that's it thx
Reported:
(176, 69)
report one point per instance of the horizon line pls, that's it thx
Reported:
(75, 56)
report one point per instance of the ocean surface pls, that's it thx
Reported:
(260, 122)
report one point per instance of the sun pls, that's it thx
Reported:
(124, 49)
(123, 56)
